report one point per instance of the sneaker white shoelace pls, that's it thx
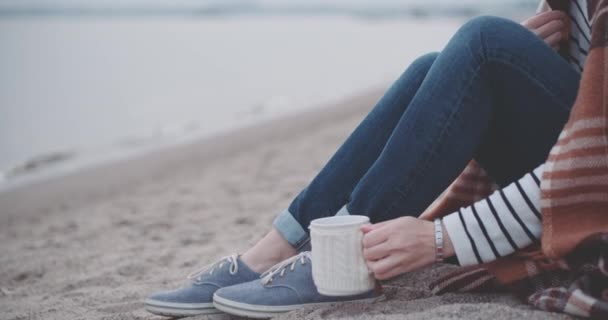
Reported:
(232, 259)
(280, 267)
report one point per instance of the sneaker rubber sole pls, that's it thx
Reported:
(265, 312)
(172, 309)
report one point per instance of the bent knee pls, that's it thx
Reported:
(493, 32)
(425, 61)
(488, 24)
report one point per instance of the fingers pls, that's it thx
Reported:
(371, 234)
(377, 252)
(374, 238)
(550, 28)
(384, 266)
(554, 39)
(369, 227)
(543, 18)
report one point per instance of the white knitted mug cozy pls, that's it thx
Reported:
(338, 266)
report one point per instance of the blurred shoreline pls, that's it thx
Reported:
(80, 92)
(109, 177)
(47, 169)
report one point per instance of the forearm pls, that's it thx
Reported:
(506, 221)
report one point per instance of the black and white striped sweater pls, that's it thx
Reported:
(510, 219)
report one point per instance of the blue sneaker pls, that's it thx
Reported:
(283, 288)
(197, 298)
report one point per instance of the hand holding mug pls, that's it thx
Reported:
(396, 246)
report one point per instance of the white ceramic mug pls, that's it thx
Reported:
(338, 266)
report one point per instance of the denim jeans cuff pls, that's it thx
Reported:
(292, 231)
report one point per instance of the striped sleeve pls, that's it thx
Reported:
(580, 34)
(506, 221)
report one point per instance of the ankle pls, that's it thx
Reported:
(261, 263)
(270, 250)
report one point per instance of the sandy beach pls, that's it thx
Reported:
(93, 244)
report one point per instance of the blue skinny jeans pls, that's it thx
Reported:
(496, 93)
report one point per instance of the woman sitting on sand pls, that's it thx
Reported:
(498, 93)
